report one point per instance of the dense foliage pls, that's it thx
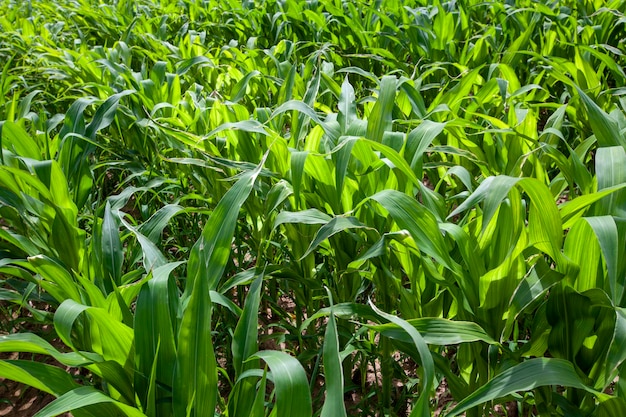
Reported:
(297, 208)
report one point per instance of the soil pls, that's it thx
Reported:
(16, 399)
(19, 400)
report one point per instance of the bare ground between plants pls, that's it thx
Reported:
(16, 399)
(19, 400)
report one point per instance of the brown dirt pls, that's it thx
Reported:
(16, 399)
(19, 400)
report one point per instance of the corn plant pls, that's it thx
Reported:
(281, 208)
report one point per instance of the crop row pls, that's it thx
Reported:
(315, 208)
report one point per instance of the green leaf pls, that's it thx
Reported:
(41, 376)
(258, 407)
(244, 345)
(153, 227)
(152, 256)
(31, 343)
(605, 230)
(492, 190)
(82, 397)
(304, 109)
(397, 161)
(420, 223)
(112, 254)
(67, 239)
(425, 359)
(418, 140)
(572, 210)
(604, 126)
(244, 342)
(334, 405)
(298, 159)
(195, 376)
(250, 126)
(610, 172)
(437, 331)
(210, 253)
(341, 157)
(300, 124)
(194, 387)
(239, 90)
(347, 106)
(55, 273)
(334, 226)
(13, 137)
(74, 119)
(569, 313)
(544, 221)
(381, 118)
(617, 353)
(533, 286)
(154, 324)
(105, 114)
(290, 384)
(614, 406)
(310, 216)
(113, 340)
(186, 65)
(219, 299)
(582, 248)
(526, 376)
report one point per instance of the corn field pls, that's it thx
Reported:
(314, 208)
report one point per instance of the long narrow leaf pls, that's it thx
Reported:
(526, 376)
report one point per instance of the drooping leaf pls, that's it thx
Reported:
(334, 226)
(290, 384)
(83, 397)
(425, 359)
(524, 377)
(420, 223)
